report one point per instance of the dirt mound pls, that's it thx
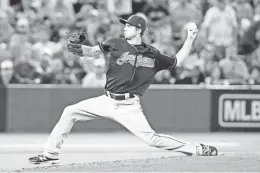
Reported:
(222, 163)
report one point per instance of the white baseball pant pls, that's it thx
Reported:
(128, 112)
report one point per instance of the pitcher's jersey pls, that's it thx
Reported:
(132, 68)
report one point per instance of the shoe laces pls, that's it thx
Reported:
(206, 151)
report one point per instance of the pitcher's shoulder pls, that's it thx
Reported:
(114, 40)
(112, 44)
(152, 48)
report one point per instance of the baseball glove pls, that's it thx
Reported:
(74, 42)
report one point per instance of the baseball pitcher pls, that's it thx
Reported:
(131, 69)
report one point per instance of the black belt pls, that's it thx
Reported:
(119, 96)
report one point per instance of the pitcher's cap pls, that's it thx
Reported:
(136, 21)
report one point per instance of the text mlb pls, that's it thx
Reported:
(240, 108)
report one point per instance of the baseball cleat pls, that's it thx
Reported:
(39, 159)
(207, 150)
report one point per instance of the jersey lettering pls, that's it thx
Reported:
(142, 61)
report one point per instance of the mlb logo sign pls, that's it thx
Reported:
(239, 110)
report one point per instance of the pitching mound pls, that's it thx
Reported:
(222, 163)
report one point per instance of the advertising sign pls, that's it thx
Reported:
(239, 110)
(235, 110)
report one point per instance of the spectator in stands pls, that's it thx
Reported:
(138, 5)
(4, 53)
(244, 25)
(163, 77)
(254, 58)
(60, 42)
(249, 45)
(189, 76)
(234, 68)
(216, 76)
(6, 30)
(195, 76)
(182, 13)
(244, 13)
(25, 68)
(243, 9)
(88, 19)
(44, 68)
(73, 67)
(46, 9)
(205, 5)
(256, 10)
(220, 26)
(156, 12)
(255, 76)
(18, 46)
(64, 69)
(43, 43)
(22, 33)
(97, 77)
(207, 58)
(29, 11)
(115, 30)
(179, 75)
(23, 26)
(17, 6)
(208, 67)
(121, 8)
(163, 39)
(63, 13)
(77, 5)
(71, 76)
(59, 77)
(7, 75)
(193, 60)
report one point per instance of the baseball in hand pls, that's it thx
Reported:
(192, 30)
(192, 26)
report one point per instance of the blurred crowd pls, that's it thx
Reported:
(34, 34)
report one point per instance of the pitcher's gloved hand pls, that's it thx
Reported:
(74, 42)
(76, 49)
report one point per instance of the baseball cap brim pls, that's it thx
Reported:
(123, 21)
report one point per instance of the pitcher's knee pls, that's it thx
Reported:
(68, 112)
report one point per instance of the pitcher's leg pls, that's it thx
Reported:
(139, 126)
(170, 143)
(188, 148)
(135, 121)
(85, 110)
(69, 117)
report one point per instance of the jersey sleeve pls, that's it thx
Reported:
(108, 45)
(165, 61)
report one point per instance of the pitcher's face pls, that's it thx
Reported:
(130, 31)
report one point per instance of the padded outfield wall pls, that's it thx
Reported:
(37, 108)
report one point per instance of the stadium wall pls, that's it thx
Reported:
(3, 106)
(169, 108)
(38, 108)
